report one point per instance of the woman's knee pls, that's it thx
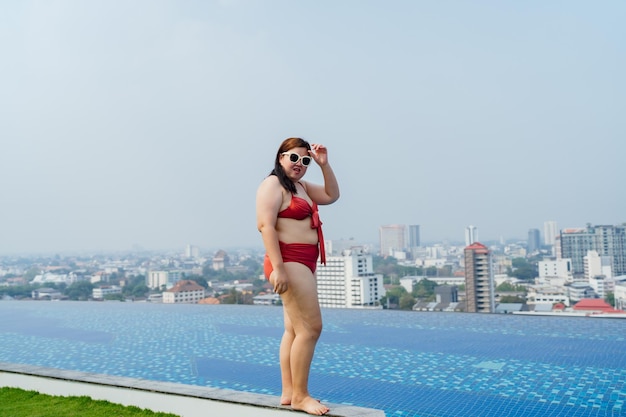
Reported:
(314, 329)
(289, 332)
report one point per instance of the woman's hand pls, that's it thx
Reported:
(319, 153)
(278, 277)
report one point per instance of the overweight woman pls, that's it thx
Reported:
(287, 217)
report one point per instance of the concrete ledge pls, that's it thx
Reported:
(180, 399)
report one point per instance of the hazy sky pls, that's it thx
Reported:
(152, 122)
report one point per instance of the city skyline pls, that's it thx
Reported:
(376, 245)
(152, 124)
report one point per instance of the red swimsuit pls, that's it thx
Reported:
(304, 253)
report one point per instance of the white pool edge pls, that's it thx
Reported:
(179, 399)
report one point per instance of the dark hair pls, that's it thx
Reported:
(278, 170)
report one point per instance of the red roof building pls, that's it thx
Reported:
(595, 306)
(185, 291)
(479, 285)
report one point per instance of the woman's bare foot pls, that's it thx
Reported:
(286, 400)
(310, 405)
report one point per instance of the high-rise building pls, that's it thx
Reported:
(534, 241)
(191, 252)
(414, 236)
(605, 240)
(471, 235)
(392, 239)
(349, 281)
(479, 285)
(550, 232)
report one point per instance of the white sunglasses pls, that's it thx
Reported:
(295, 158)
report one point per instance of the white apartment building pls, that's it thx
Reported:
(100, 292)
(602, 285)
(598, 272)
(185, 291)
(556, 268)
(349, 281)
(595, 265)
(547, 294)
(156, 279)
(578, 291)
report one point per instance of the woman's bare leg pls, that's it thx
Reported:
(285, 361)
(305, 318)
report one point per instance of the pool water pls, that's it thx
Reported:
(413, 364)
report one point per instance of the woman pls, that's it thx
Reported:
(288, 220)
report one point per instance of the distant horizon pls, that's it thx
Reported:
(258, 247)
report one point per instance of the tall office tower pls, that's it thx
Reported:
(414, 235)
(349, 281)
(191, 252)
(479, 285)
(392, 239)
(549, 233)
(471, 235)
(534, 241)
(606, 240)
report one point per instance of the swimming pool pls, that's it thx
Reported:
(409, 364)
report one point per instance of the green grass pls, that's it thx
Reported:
(15, 402)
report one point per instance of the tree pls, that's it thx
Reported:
(512, 299)
(114, 297)
(610, 298)
(406, 302)
(424, 290)
(392, 297)
(508, 287)
(20, 291)
(388, 267)
(431, 271)
(140, 290)
(81, 290)
(523, 269)
(200, 280)
(31, 273)
(237, 297)
(136, 287)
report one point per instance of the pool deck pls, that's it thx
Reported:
(179, 399)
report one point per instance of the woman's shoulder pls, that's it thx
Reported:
(270, 184)
(270, 181)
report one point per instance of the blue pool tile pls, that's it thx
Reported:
(407, 363)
